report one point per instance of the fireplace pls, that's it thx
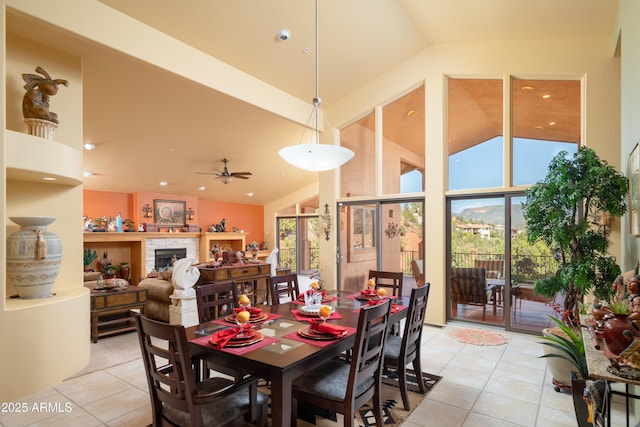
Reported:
(164, 258)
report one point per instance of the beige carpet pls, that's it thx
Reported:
(112, 351)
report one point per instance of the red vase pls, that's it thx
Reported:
(619, 332)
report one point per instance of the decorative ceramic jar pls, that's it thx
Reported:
(619, 332)
(34, 255)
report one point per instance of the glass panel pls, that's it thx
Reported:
(309, 239)
(358, 174)
(528, 263)
(287, 240)
(477, 241)
(357, 244)
(475, 129)
(403, 143)
(546, 120)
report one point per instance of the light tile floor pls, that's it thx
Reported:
(492, 386)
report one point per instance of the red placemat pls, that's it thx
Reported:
(319, 343)
(204, 341)
(272, 316)
(302, 318)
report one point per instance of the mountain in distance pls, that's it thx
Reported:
(493, 215)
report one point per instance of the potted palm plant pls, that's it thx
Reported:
(565, 211)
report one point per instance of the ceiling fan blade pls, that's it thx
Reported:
(241, 173)
(240, 176)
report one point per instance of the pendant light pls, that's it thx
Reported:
(316, 157)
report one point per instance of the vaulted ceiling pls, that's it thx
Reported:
(150, 125)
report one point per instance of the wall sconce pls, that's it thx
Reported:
(190, 214)
(147, 211)
(393, 230)
(325, 220)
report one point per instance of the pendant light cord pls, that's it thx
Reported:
(316, 100)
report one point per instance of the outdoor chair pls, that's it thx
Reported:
(417, 269)
(400, 351)
(344, 387)
(176, 398)
(469, 286)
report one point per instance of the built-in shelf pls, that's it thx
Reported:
(31, 158)
(225, 240)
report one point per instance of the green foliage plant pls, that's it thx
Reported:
(619, 306)
(562, 211)
(569, 345)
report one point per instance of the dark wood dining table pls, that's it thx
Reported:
(283, 359)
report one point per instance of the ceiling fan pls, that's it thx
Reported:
(225, 176)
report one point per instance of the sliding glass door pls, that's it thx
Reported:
(378, 235)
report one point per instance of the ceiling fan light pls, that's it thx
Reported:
(316, 157)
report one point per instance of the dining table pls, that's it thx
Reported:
(284, 354)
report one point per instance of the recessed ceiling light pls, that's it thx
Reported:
(163, 183)
(411, 113)
(547, 96)
(49, 178)
(250, 194)
(202, 188)
(87, 174)
(527, 88)
(89, 147)
(539, 127)
(552, 123)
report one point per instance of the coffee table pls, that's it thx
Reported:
(111, 310)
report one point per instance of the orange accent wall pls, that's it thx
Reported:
(206, 212)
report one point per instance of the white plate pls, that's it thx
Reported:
(312, 310)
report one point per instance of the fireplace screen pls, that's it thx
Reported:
(166, 257)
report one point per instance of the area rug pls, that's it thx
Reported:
(392, 407)
(478, 337)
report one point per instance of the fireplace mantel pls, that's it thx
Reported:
(133, 248)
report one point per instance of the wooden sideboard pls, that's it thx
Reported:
(250, 279)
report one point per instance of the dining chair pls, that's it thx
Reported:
(417, 270)
(400, 351)
(344, 387)
(284, 285)
(216, 300)
(177, 399)
(388, 279)
(469, 286)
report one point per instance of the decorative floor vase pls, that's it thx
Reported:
(34, 255)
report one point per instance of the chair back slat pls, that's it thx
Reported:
(368, 351)
(283, 285)
(388, 279)
(469, 285)
(215, 300)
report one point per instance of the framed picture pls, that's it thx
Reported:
(170, 213)
(634, 191)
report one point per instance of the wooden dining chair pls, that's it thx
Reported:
(344, 387)
(177, 399)
(215, 300)
(400, 351)
(284, 285)
(388, 279)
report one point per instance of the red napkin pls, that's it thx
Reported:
(221, 338)
(394, 307)
(253, 311)
(328, 328)
(310, 292)
(369, 292)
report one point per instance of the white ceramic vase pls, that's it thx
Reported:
(34, 255)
